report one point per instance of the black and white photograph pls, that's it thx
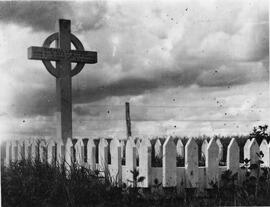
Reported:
(149, 103)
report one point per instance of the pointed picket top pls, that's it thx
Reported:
(191, 164)
(52, 147)
(21, 150)
(212, 163)
(220, 149)
(69, 153)
(246, 148)
(252, 151)
(169, 163)
(103, 154)
(265, 148)
(91, 154)
(158, 148)
(204, 148)
(130, 159)
(180, 150)
(116, 161)
(43, 150)
(8, 153)
(233, 156)
(145, 162)
(79, 151)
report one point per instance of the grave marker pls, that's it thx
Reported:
(64, 56)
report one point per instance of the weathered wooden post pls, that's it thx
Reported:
(128, 121)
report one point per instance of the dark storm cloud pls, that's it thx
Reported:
(42, 102)
(127, 86)
(42, 15)
(39, 15)
(84, 111)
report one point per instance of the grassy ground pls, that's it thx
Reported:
(27, 183)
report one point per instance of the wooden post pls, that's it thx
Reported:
(128, 122)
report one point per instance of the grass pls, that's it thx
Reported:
(27, 183)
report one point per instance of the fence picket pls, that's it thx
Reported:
(91, 154)
(43, 151)
(8, 153)
(130, 161)
(60, 151)
(79, 152)
(35, 149)
(145, 162)
(69, 153)
(233, 156)
(116, 165)
(137, 144)
(169, 163)
(103, 155)
(51, 153)
(252, 150)
(265, 148)
(14, 151)
(191, 164)
(212, 163)
(246, 148)
(123, 147)
(28, 149)
(21, 150)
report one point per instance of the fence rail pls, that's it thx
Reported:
(120, 157)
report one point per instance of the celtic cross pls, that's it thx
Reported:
(63, 56)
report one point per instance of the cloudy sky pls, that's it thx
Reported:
(186, 67)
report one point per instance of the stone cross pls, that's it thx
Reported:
(63, 56)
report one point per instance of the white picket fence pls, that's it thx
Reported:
(83, 152)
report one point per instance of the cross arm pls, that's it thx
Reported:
(55, 54)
